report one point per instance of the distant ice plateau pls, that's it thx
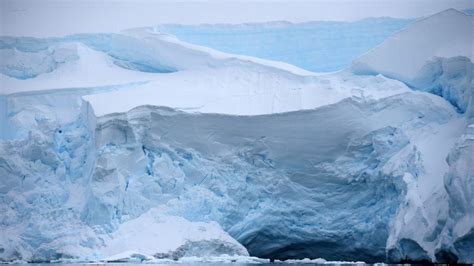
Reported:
(137, 146)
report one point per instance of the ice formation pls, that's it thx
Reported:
(139, 147)
(317, 46)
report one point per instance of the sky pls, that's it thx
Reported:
(41, 18)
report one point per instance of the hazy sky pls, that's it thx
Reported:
(60, 17)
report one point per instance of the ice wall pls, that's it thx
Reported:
(315, 46)
(248, 177)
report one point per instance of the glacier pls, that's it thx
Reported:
(137, 146)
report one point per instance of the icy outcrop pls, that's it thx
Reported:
(440, 62)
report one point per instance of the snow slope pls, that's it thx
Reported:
(434, 54)
(137, 146)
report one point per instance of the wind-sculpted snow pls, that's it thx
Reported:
(139, 147)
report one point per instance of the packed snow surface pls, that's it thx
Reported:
(136, 146)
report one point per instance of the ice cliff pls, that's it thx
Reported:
(137, 146)
(317, 46)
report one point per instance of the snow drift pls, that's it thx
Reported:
(137, 146)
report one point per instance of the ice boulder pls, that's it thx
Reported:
(168, 237)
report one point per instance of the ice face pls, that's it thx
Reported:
(235, 172)
(315, 46)
(459, 241)
(104, 173)
(108, 157)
